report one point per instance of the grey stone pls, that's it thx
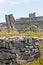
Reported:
(3, 44)
(31, 47)
(6, 44)
(17, 48)
(10, 45)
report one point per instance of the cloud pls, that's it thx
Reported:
(2, 1)
(13, 2)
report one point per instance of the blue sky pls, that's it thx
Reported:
(20, 8)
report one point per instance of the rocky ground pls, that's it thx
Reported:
(17, 50)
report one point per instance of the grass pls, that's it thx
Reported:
(30, 33)
(5, 33)
(8, 34)
(35, 62)
(14, 33)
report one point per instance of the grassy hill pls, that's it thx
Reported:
(22, 22)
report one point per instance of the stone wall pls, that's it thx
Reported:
(18, 50)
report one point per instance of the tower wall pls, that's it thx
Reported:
(10, 22)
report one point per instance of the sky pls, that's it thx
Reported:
(20, 8)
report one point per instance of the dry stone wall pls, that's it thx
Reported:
(18, 50)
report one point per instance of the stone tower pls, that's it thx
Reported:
(32, 15)
(10, 22)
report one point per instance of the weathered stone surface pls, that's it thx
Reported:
(17, 50)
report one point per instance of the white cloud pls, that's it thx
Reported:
(2, 1)
(13, 2)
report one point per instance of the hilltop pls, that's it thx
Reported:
(28, 26)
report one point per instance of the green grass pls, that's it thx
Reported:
(30, 33)
(35, 62)
(27, 33)
(15, 33)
